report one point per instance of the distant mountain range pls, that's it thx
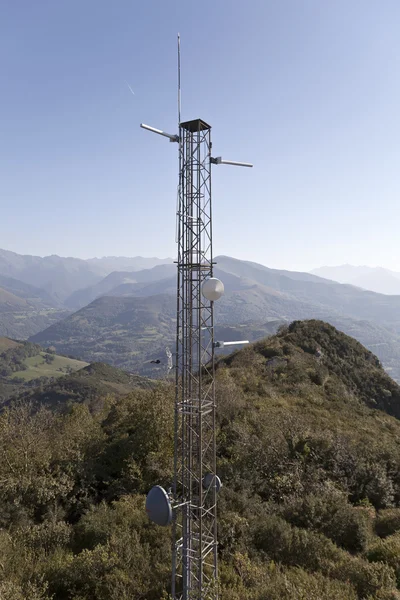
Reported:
(122, 310)
(120, 283)
(375, 279)
(34, 291)
(130, 317)
(60, 277)
(23, 294)
(25, 309)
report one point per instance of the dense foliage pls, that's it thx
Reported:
(13, 360)
(310, 508)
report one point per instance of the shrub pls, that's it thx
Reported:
(387, 522)
(314, 552)
(293, 546)
(379, 487)
(331, 515)
(385, 595)
(387, 551)
(12, 591)
(367, 578)
(47, 536)
(247, 579)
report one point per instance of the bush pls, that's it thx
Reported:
(387, 551)
(387, 522)
(331, 515)
(379, 486)
(47, 536)
(247, 579)
(314, 552)
(293, 546)
(12, 591)
(385, 595)
(367, 578)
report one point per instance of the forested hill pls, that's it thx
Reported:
(90, 385)
(330, 359)
(309, 509)
(24, 365)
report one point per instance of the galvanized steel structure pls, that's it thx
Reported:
(195, 519)
(191, 504)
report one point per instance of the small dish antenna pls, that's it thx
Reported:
(158, 506)
(211, 480)
(212, 289)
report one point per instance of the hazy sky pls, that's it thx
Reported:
(308, 90)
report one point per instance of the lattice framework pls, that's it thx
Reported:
(194, 573)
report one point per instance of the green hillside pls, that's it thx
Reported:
(307, 452)
(38, 366)
(89, 385)
(23, 365)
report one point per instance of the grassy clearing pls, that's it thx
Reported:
(37, 367)
(6, 344)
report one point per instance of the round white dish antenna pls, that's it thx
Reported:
(158, 506)
(212, 289)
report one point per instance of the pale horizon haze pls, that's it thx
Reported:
(308, 91)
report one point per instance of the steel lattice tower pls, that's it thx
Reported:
(195, 521)
(191, 505)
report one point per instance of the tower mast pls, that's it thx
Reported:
(192, 504)
(195, 521)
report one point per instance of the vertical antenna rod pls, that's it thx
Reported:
(179, 79)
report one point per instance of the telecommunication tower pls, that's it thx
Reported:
(191, 504)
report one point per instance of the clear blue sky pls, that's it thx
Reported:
(308, 90)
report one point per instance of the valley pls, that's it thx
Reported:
(126, 318)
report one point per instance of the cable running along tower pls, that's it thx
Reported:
(191, 504)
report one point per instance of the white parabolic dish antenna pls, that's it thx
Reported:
(212, 289)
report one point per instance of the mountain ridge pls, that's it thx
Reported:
(255, 294)
(60, 276)
(376, 279)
